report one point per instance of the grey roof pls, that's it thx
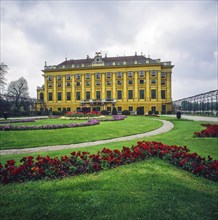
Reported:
(108, 61)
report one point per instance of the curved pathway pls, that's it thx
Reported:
(167, 126)
(196, 118)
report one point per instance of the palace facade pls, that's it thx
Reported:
(100, 83)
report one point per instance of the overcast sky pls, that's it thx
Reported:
(184, 32)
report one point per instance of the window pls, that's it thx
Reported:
(68, 109)
(153, 109)
(153, 73)
(87, 94)
(108, 94)
(119, 75)
(68, 84)
(163, 82)
(130, 74)
(130, 94)
(119, 82)
(163, 94)
(49, 78)
(77, 76)
(130, 108)
(108, 83)
(130, 82)
(50, 85)
(98, 95)
(163, 75)
(153, 94)
(68, 77)
(109, 109)
(59, 85)
(50, 96)
(141, 94)
(41, 96)
(77, 83)
(78, 109)
(98, 109)
(108, 75)
(59, 96)
(98, 83)
(98, 75)
(68, 96)
(59, 109)
(77, 95)
(119, 109)
(58, 77)
(153, 81)
(163, 109)
(141, 73)
(87, 83)
(119, 94)
(141, 81)
(88, 76)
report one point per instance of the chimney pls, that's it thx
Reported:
(135, 53)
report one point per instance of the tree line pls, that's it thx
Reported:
(14, 98)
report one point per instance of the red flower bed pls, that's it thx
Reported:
(210, 131)
(83, 114)
(84, 162)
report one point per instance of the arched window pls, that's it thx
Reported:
(41, 96)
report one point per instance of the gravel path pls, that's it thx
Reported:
(197, 118)
(167, 126)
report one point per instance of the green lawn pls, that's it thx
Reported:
(105, 130)
(151, 189)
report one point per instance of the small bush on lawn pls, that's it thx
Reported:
(210, 131)
(104, 112)
(84, 162)
(114, 111)
(125, 112)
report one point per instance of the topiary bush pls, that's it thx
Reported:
(114, 111)
(140, 111)
(104, 112)
(125, 112)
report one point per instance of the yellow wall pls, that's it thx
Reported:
(147, 102)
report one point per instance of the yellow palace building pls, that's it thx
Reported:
(101, 83)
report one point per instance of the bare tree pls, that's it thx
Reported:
(18, 94)
(3, 72)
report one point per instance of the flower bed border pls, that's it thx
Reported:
(47, 127)
(84, 162)
(59, 126)
(17, 121)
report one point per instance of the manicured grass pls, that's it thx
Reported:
(181, 134)
(106, 130)
(150, 189)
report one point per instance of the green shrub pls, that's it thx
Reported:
(140, 111)
(114, 111)
(57, 113)
(125, 112)
(104, 112)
